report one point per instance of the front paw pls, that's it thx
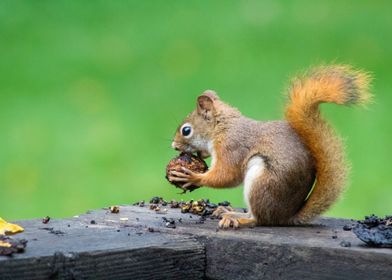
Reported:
(189, 179)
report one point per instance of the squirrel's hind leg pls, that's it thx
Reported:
(273, 196)
(263, 191)
(255, 169)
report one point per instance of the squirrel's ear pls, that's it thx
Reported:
(211, 93)
(205, 104)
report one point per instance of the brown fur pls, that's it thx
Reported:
(294, 152)
(336, 84)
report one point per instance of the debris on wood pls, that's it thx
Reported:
(53, 231)
(202, 207)
(375, 231)
(46, 220)
(139, 203)
(157, 207)
(114, 209)
(169, 222)
(151, 229)
(8, 228)
(347, 227)
(154, 206)
(155, 200)
(224, 203)
(158, 200)
(174, 204)
(345, 243)
(201, 220)
(9, 245)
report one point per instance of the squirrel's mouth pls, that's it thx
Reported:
(183, 148)
(190, 149)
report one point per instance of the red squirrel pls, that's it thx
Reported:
(292, 170)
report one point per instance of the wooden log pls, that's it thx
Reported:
(72, 249)
(142, 247)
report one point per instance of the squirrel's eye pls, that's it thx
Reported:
(186, 130)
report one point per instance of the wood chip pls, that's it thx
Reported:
(8, 228)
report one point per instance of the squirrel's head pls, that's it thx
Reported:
(196, 132)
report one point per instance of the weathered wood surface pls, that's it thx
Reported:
(76, 249)
(143, 248)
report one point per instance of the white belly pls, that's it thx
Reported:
(254, 170)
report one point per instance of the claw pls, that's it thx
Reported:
(177, 179)
(187, 177)
(228, 222)
(187, 171)
(179, 174)
(187, 185)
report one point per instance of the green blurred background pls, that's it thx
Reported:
(91, 92)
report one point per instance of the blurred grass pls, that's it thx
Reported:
(91, 92)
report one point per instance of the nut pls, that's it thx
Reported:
(188, 161)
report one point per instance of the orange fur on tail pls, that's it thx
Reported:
(331, 84)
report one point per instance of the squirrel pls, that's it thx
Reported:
(292, 170)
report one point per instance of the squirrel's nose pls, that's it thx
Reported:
(174, 146)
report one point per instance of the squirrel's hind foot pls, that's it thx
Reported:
(236, 220)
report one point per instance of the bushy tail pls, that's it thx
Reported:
(331, 84)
